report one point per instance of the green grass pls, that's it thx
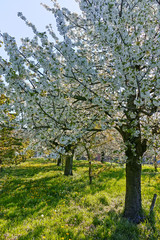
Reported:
(38, 202)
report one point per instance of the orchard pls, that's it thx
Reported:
(101, 72)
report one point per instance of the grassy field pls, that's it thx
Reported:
(38, 202)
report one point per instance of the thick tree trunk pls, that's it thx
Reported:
(135, 148)
(133, 203)
(68, 165)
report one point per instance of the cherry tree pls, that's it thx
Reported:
(103, 70)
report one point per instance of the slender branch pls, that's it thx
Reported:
(34, 70)
(121, 8)
(48, 115)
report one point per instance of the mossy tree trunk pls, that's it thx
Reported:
(68, 166)
(69, 162)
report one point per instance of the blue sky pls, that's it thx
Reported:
(33, 11)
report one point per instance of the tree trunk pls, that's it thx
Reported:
(90, 173)
(155, 164)
(59, 162)
(68, 165)
(69, 160)
(135, 148)
(133, 203)
(102, 157)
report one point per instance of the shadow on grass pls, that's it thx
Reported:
(115, 227)
(113, 173)
(152, 221)
(28, 171)
(28, 191)
(24, 195)
(122, 229)
(146, 171)
(110, 227)
(125, 230)
(33, 234)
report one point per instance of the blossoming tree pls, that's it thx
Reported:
(104, 69)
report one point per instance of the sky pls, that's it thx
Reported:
(33, 11)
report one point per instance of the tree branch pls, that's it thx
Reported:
(121, 8)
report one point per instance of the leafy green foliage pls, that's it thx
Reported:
(9, 146)
(38, 202)
(13, 148)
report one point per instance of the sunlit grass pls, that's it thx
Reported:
(38, 202)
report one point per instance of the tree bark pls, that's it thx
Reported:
(102, 157)
(68, 165)
(135, 148)
(133, 203)
(69, 160)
